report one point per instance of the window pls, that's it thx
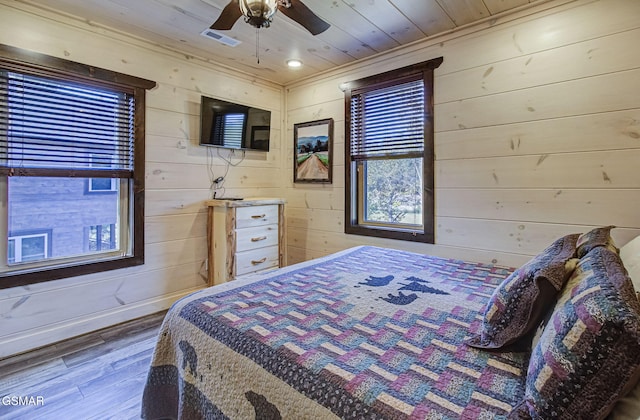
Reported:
(67, 129)
(102, 237)
(389, 173)
(101, 185)
(28, 247)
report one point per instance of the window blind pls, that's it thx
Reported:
(228, 130)
(52, 124)
(388, 121)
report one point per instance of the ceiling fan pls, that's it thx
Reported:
(259, 13)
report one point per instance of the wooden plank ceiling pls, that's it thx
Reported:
(359, 29)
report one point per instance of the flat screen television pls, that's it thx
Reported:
(233, 126)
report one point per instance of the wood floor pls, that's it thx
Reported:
(96, 376)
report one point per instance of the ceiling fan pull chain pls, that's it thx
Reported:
(258, 44)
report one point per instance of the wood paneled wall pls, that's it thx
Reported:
(177, 180)
(537, 134)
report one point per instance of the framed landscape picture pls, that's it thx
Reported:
(312, 151)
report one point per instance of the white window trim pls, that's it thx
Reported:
(114, 182)
(114, 186)
(18, 245)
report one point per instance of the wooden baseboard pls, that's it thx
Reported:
(20, 343)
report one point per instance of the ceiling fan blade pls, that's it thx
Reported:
(230, 14)
(305, 17)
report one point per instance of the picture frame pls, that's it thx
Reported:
(260, 137)
(313, 151)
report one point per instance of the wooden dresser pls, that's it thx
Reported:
(244, 237)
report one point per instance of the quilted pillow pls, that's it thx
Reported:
(589, 354)
(518, 305)
(596, 237)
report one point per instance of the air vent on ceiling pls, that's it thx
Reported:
(223, 39)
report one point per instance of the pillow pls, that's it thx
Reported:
(596, 237)
(517, 306)
(630, 256)
(628, 408)
(588, 356)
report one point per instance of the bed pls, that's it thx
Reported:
(365, 333)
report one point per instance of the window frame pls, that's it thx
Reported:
(19, 236)
(354, 188)
(113, 187)
(23, 61)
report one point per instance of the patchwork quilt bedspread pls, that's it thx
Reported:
(366, 333)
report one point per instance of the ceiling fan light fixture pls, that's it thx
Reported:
(294, 63)
(258, 13)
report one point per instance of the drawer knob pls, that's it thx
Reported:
(258, 239)
(259, 216)
(260, 261)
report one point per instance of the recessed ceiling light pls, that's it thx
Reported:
(294, 64)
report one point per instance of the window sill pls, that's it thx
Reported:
(390, 233)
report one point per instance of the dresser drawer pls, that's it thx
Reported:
(244, 237)
(256, 237)
(256, 216)
(256, 260)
